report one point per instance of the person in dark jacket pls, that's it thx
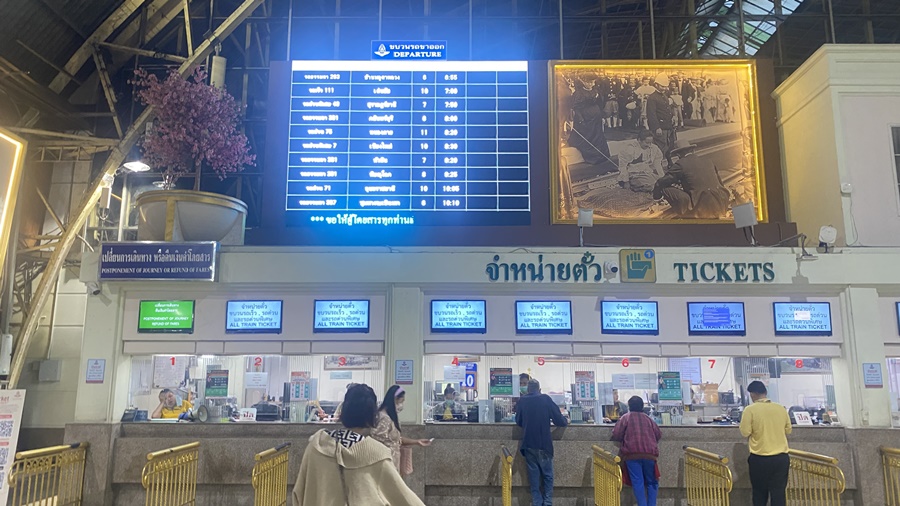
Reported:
(534, 412)
(660, 118)
(587, 134)
(701, 194)
(640, 437)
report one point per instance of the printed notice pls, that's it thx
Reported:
(11, 404)
(547, 317)
(501, 382)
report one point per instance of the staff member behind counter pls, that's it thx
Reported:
(451, 408)
(169, 406)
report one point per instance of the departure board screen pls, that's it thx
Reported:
(399, 143)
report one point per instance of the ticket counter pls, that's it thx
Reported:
(242, 388)
(595, 390)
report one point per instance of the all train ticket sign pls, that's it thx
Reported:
(12, 153)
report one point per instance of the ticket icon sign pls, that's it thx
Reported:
(637, 266)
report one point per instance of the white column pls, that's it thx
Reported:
(863, 343)
(404, 341)
(103, 402)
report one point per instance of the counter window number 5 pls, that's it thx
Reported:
(541, 361)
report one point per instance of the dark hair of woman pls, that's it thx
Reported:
(635, 404)
(360, 409)
(389, 404)
(449, 390)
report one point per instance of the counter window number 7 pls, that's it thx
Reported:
(712, 362)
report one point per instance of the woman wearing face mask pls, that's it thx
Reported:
(387, 430)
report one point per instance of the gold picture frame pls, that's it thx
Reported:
(592, 102)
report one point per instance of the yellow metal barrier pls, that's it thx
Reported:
(48, 476)
(890, 458)
(707, 478)
(506, 461)
(814, 480)
(270, 476)
(607, 478)
(170, 476)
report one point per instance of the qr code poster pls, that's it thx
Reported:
(11, 404)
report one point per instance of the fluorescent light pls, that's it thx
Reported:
(136, 166)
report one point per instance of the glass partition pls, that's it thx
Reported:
(222, 388)
(595, 390)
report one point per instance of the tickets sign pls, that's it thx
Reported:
(716, 318)
(625, 317)
(253, 316)
(464, 316)
(543, 317)
(341, 316)
(802, 318)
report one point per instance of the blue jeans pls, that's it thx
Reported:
(643, 480)
(540, 470)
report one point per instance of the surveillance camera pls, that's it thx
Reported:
(93, 287)
(611, 267)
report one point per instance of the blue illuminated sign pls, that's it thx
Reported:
(543, 317)
(402, 143)
(341, 316)
(463, 316)
(626, 317)
(409, 49)
(802, 318)
(716, 318)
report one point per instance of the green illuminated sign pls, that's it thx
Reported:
(166, 316)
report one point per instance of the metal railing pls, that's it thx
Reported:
(707, 478)
(814, 480)
(170, 476)
(270, 476)
(53, 475)
(607, 478)
(890, 459)
(506, 461)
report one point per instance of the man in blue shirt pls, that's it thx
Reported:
(534, 412)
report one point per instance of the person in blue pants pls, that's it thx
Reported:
(640, 437)
(534, 413)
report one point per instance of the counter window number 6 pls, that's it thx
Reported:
(625, 362)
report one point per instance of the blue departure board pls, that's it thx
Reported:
(396, 143)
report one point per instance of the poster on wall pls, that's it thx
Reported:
(216, 383)
(11, 404)
(668, 141)
(300, 390)
(170, 371)
(501, 382)
(585, 387)
(669, 385)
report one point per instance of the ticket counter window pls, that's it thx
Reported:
(595, 390)
(213, 388)
(893, 379)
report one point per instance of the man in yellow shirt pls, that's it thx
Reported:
(767, 424)
(169, 407)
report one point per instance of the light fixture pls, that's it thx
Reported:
(136, 166)
(827, 237)
(713, 24)
(745, 218)
(585, 219)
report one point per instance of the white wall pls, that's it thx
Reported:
(834, 118)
